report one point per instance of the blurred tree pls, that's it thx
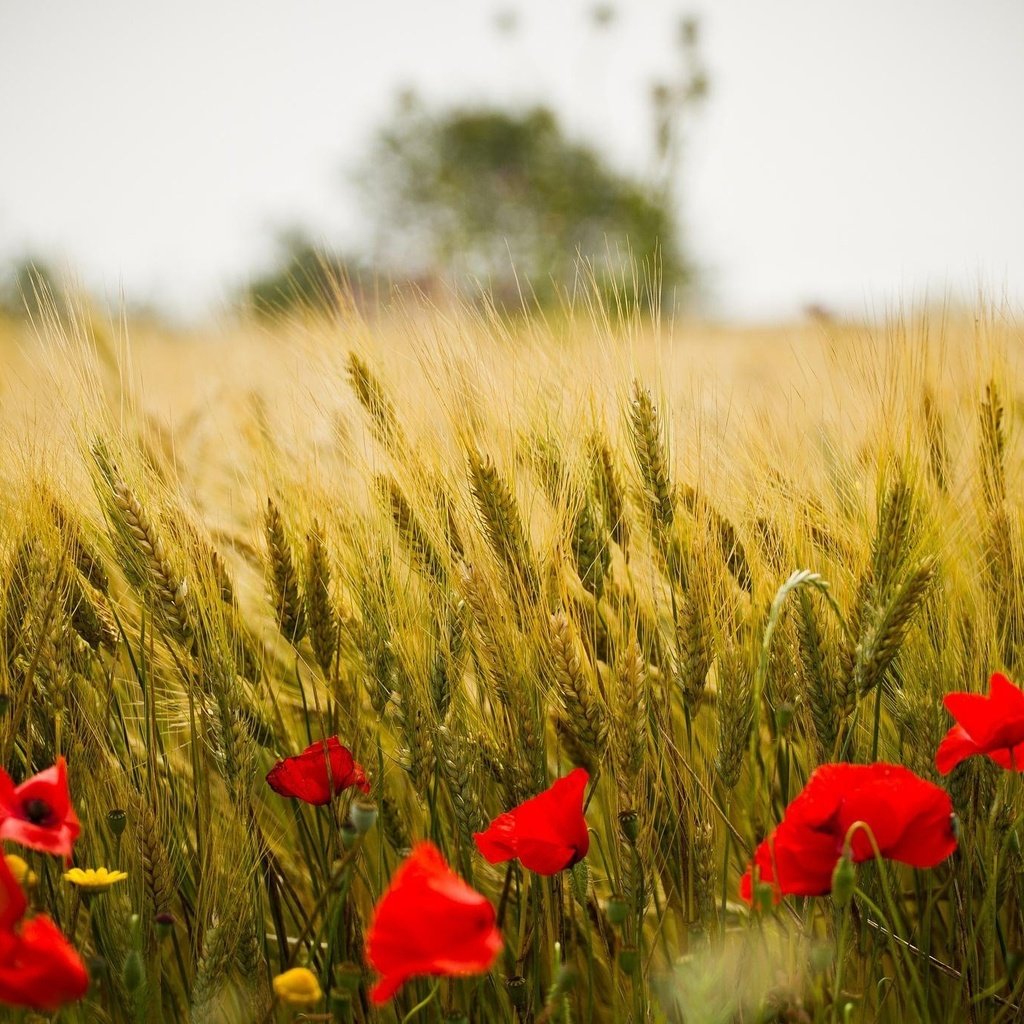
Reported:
(28, 287)
(304, 276)
(498, 199)
(506, 22)
(504, 204)
(602, 15)
(672, 100)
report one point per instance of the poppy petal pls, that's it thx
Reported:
(38, 813)
(387, 987)
(909, 818)
(973, 712)
(290, 778)
(41, 970)
(319, 773)
(50, 786)
(547, 833)
(546, 858)
(1005, 697)
(1010, 758)
(8, 797)
(956, 746)
(429, 921)
(498, 842)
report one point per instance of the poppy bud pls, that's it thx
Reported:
(349, 835)
(347, 976)
(518, 992)
(616, 908)
(629, 959)
(844, 879)
(579, 882)
(784, 717)
(820, 958)
(565, 979)
(456, 1017)
(97, 967)
(164, 925)
(116, 821)
(341, 1006)
(764, 897)
(363, 814)
(134, 973)
(1014, 963)
(629, 823)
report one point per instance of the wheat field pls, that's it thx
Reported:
(698, 562)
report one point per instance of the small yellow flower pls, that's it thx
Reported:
(298, 987)
(23, 874)
(94, 879)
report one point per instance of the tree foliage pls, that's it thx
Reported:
(305, 276)
(506, 201)
(28, 286)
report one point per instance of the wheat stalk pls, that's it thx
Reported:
(282, 580)
(585, 715)
(320, 614)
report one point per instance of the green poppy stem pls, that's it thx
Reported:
(423, 1004)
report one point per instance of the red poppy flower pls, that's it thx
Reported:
(39, 969)
(548, 833)
(992, 725)
(429, 922)
(911, 820)
(38, 813)
(320, 772)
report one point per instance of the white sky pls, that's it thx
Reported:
(850, 153)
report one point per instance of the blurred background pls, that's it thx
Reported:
(770, 160)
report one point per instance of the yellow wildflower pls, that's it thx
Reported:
(298, 987)
(94, 879)
(23, 874)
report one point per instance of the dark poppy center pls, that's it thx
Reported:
(37, 811)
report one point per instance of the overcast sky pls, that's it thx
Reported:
(851, 154)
